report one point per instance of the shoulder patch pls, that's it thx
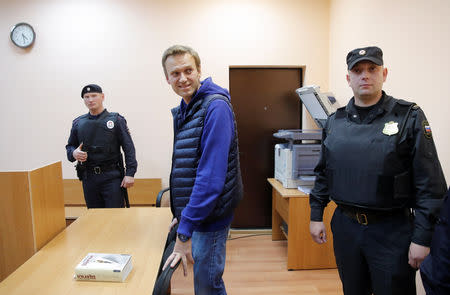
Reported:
(415, 107)
(426, 129)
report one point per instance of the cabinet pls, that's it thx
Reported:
(292, 207)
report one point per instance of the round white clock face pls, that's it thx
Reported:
(22, 35)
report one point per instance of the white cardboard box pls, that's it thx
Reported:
(104, 267)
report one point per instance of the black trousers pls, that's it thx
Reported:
(373, 258)
(103, 190)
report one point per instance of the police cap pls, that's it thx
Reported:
(372, 53)
(90, 89)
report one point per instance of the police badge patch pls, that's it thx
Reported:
(110, 124)
(390, 128)
(426, 129)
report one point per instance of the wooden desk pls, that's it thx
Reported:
(140, 232)
(292, 207)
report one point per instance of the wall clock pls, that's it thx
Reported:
(22, 35)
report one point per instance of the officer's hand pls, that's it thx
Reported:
(173, 223)
(79, 155)
(181, 251)
(127, 182)
(318, 233)
(417, 254)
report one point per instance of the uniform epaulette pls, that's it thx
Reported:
(78, 118)
(404, 102)
(340, 113)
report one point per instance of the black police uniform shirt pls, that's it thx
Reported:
(123, 136)
(414, 149)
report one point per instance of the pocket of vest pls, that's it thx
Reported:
(402, 185)
(96, 149)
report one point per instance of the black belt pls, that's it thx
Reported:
(366, 217)
(102, 168)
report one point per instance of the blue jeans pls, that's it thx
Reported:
(209, 252)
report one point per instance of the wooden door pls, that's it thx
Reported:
(264, 101)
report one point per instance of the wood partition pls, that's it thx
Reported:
(143, 193)
(32, 213)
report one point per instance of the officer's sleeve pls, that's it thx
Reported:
(72, 143)
(127, 146)
(319, 196)
(428, 179)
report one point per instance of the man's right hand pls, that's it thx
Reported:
(79, 155)
(182, 251)
(318, 232)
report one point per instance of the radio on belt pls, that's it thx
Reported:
(295, 160)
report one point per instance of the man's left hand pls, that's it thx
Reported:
(181, 251)
(417, 254)
(127, 182)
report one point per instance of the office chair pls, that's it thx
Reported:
(161, 198)
(162, 284)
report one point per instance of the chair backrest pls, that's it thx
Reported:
(163, 198)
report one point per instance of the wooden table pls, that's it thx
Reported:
(292, 207)
(140, 232)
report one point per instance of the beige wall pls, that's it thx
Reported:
(414, 36)
(118, 44)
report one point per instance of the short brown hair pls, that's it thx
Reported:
(179, 49)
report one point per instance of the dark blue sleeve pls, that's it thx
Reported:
(218, 133)
(429, 181)
(319, 196)
(72, 143)
(127, 146)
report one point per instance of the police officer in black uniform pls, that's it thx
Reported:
(95, 141)
(379, 165)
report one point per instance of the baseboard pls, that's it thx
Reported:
(245, 231)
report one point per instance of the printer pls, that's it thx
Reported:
(296, 159)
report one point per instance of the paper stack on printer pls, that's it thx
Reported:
(104, 267)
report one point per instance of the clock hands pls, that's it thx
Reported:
(24, 38)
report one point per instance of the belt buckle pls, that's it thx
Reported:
(362, 218)
(97, 170)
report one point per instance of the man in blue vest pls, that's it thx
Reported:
(205, 181)
(95, 141)
(378, 161)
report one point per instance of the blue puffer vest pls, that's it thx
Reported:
(186, 157)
